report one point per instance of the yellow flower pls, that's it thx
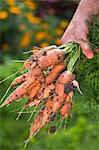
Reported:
(44, 44)
(64, 23)
(41, 35)
(32, 19)
(45, 25)
(5, 46)
(3, 15)
(22, 27)
(25, 40)
(31, 4)
(59, 31)
(15, 10)
(57, 41)
(10, 2)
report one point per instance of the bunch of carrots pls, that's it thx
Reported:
(50, 81)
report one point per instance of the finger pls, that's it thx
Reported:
(97, 50)
(86, 50)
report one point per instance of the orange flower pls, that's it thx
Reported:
(32, 19)
(41, 35)
(57, 41)
(43, 44)
(64, 23)
(59, 31)
(10, 2)
(15, 10)
(45, 25)
(31, 4)
(5, 46)
(3, 15)
(25, 40)
(22, 27)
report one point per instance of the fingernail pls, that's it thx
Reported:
(90, 55)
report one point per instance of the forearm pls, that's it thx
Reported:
(87, 8)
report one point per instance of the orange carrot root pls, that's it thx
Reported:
(27, 64)
(76, 84)
(65, 78)
(18, 92)
(54, 73)
(34, 90)
(51, 58)
(46, 91)
(36, 125)
(19, 79)
(65, 110)
(32, 102)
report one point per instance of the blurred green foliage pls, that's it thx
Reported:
(25, 23)
(82, 128)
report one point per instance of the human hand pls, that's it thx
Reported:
(78, 28)
(77, 32)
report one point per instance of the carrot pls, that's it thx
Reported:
(28, 79)
(45, 117)
(40, 93)
(54, 73)
(38, 52)
(27, 64)
(46, 91)
(65, 110)
(43, 62)
(34, 50)
(51, 58)
(59, 97)
(52, 105)
(42, 51)
(76, 84)
(32, 102)
(65, 78)
(40, 120)
(47, 111)
(51, 47)
(45, 94)
(33, 65)
(69, 97)
(18, 92)
(19, 79)
(24, 87)
(35, 126)
(36, 71)
(34, 89)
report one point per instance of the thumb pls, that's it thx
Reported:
(86, 50)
